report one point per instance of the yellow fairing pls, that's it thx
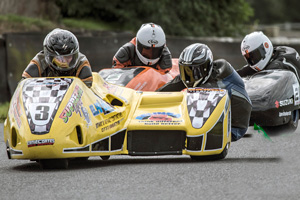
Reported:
(53, 118)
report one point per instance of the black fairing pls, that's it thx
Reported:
(274, 95)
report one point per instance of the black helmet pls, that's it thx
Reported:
(61, 49)
(195, 64)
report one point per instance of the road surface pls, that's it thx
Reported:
(255, 168)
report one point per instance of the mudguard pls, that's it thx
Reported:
(275, 97)
(61, 118)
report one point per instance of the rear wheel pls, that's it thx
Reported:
(220, 156)
(54, 163)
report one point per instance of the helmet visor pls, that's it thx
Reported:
(149, 52)
(190, 74)
(63, 62)
(256, 55)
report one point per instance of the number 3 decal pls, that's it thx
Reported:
(42, 113)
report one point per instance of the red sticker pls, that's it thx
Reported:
(266, 45)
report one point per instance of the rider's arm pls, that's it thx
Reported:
(165, 63)
(123, 56)
(32, 70)
(172, 86)
(245, 71)
(241, 105)
(84, 72)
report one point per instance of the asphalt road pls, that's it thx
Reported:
(255, 168)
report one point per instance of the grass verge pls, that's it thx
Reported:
(3, 111)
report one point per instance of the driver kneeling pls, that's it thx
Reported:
(197, 69)
(148, 48)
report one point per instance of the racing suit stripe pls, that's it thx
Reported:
(87, 79)
(85, 63)
(26, 75)
(38, 66)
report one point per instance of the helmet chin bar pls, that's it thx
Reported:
(60, 64)
(194, 85)
(145, 60)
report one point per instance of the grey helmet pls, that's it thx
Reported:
(257, 50)
(150, 42)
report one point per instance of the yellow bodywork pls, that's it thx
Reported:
(108, 120)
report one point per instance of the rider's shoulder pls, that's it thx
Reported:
(222, 68)
(281, 51)
(166, 51)
(125, 52)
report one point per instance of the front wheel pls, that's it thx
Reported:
(220, 156)
(54, 163)
(292, 125)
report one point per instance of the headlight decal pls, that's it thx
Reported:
(194, 143)
(214, 137)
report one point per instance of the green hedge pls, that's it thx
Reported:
(178, 18)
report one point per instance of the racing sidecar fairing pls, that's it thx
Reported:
(275, 98)
(141, 78)
(60, 118)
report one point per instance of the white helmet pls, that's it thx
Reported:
(257, 50)
(150, 41)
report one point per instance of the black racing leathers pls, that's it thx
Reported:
(283, 58)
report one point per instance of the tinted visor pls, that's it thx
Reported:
(256, 55)
(192, 73)
(149, 52)
(63, 62)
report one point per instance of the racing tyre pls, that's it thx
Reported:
(81, 158)
(290, 127)
(104, 157)
(220, 156)
(293, 123)
(54, 163)
(8, 151)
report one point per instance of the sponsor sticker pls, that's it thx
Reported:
(74, 105)
(17, 111)
(283, 103)
(110, 122)
(296, 94)
(43, 142)
(159, 118)
(101, 106)
(284, 114)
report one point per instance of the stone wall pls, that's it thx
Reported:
(17, 49)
